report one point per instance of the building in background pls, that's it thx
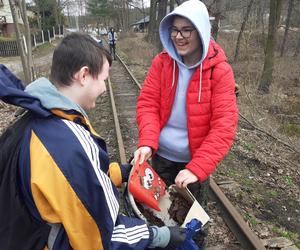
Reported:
(7, 28)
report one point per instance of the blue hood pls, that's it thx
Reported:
(40, 96)
(50, 97)
(196, 12)
(12, 92)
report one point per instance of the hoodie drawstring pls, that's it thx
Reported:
(173, 78)
(200, 84)
(200, 80)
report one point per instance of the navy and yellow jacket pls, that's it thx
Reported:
(62, 170)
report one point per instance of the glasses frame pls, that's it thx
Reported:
(173, 29)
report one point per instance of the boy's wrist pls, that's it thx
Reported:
(161, 236)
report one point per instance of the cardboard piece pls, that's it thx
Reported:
(196, 211)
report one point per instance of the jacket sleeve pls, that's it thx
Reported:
(148, 107)
(130, 233)
(223, 124)
(71, 190)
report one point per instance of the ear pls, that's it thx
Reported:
(81, 75)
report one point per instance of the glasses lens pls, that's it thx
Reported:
(174, 32)
(185, 33)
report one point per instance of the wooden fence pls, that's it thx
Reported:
(8, 48)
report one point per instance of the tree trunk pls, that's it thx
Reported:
(55, 12)
(259, 13)
(216, 22)
(124, 16)
(21, 46)
(38, 16)
(144, 16)
(260, 24)
(162, 11)
(287, 26)
(28, 40)
(237, 48)
(152, 22)
(59, 12)
(266, 78)
(126, 28)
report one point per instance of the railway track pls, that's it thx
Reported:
(122, 94)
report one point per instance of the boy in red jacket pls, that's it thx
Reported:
(186, 111)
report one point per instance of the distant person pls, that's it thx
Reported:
(54, 189)
(112, 40)
(186, 112)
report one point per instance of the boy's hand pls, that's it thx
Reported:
(142, 154)
(184, 178)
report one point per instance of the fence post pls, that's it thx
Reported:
(43, 40)
(49, 36)
(34, 40)
(8, 48)
(59, 31)
(53, 32)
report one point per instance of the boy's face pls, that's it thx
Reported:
(186, 46)
(94, 87)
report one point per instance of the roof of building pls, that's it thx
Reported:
(143, 20)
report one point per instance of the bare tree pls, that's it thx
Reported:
(152, 36)
(217, 13)
(28, 39)
(144, 15)
(55, 12)
(287, 26)
(266, 78)
(23, 40)
(162, 11)
(260, 9)
(237, 48)
(125, 16)
(38, 16)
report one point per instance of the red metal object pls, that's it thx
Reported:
(145, 185)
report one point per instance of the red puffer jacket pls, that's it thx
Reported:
(210, 105)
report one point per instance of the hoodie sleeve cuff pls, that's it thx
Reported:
(115, 174)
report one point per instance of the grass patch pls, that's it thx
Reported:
(287, 234)
(44, 49)
(4, 39)
(273, 194)
(288, 180)
(247, 182)
(232, 173)
(290, 129)
(251, 219)
(249, 146)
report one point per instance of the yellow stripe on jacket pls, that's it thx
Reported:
(114, 173)
(57, 202)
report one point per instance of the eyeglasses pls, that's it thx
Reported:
(185, 33)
